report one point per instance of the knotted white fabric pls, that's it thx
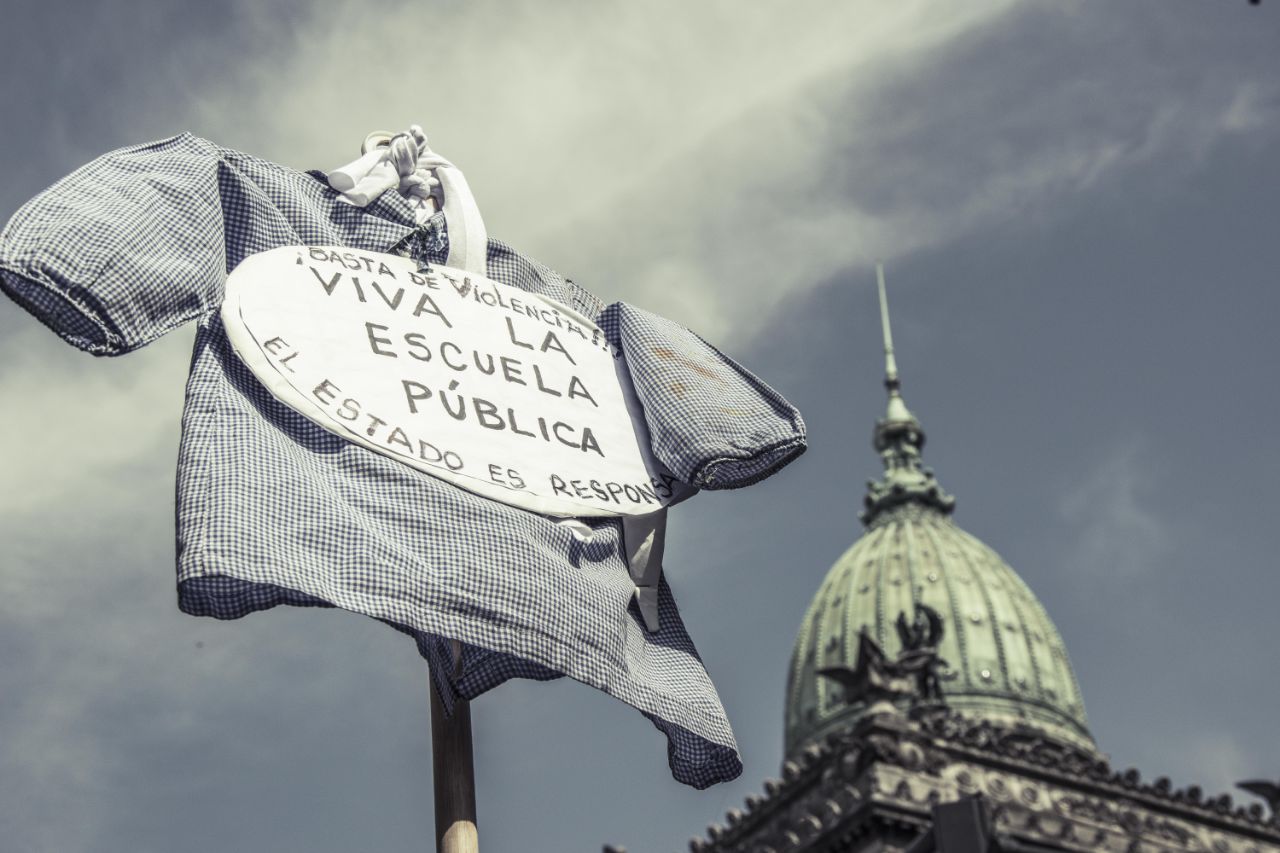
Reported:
(404, 162)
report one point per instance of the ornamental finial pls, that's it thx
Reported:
(899, 438)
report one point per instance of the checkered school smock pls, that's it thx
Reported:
(273, 509)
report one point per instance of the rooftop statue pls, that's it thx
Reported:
(915, 674)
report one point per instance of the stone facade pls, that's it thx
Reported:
(873, 787)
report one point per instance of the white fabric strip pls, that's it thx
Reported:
(468, 240)
(430, 182)
(645, 540)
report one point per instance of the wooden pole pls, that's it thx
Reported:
(454, 776)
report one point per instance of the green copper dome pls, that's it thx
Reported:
(1007, 659)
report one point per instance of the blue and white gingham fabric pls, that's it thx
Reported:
(272, 509)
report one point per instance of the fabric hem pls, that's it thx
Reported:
(707, 476)
(189, 603)
(111, 343)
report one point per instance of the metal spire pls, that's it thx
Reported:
(897, 408)
(899, 438)
(890, 366)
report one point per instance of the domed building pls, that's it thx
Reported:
(1007, 661)
(931, 706)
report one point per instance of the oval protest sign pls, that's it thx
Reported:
(504, 393)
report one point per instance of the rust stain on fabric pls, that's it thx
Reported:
(688, 363)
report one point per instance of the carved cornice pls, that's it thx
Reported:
(1041, 787)
(1031, 751)
(1019, 743)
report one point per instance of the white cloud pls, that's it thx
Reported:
(1118, 534)
(81, 420)
(1218, 760)
(659, 152)
(712, 161)
(1252, 107)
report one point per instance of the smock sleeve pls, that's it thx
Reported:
(712, 422)
(122, 250)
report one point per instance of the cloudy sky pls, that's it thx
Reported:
(1077, 205)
